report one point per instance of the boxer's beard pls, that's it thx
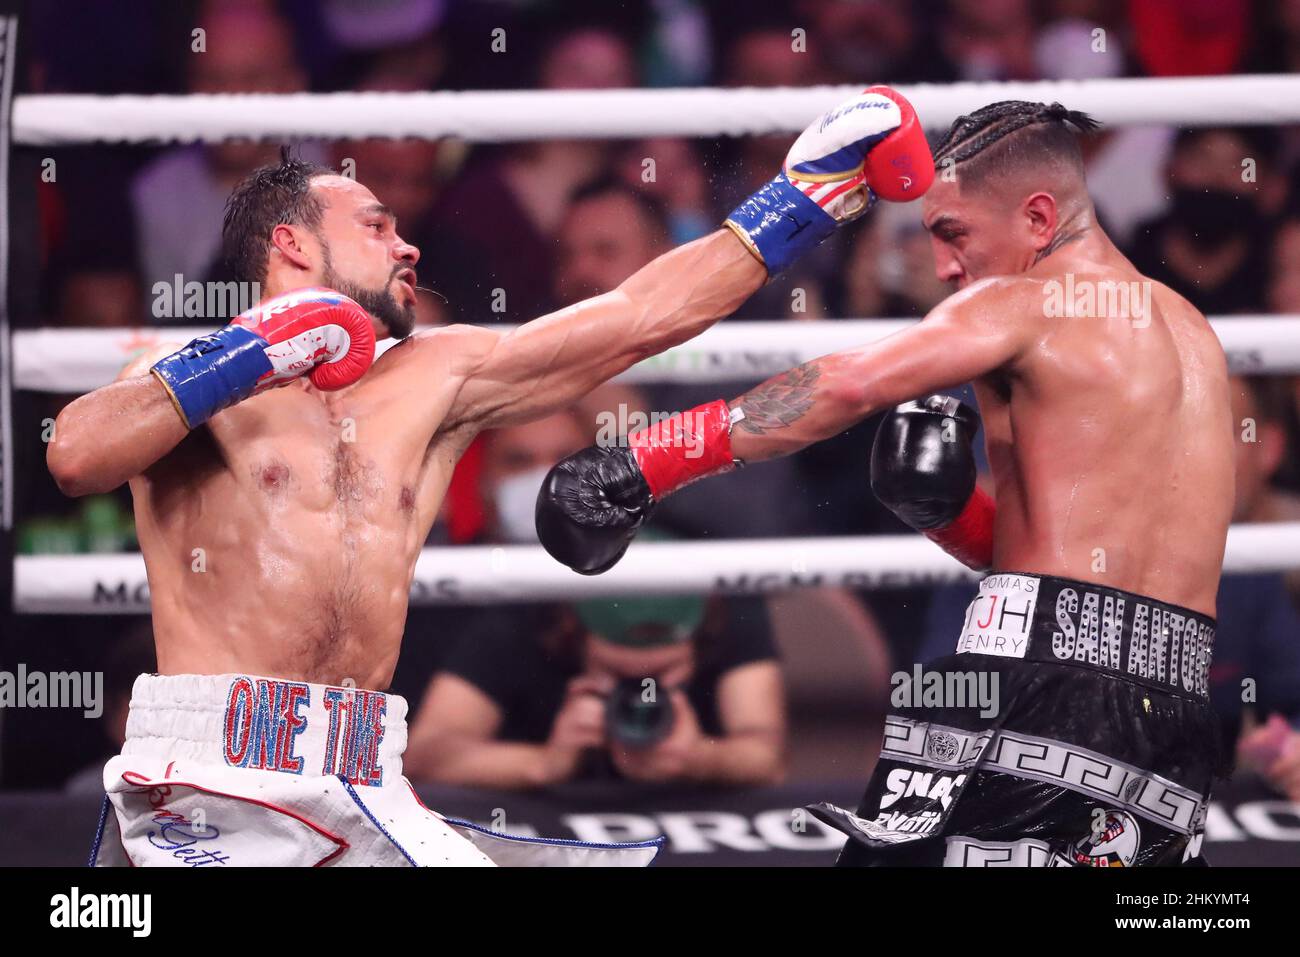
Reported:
(399, 320)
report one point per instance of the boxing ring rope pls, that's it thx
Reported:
(515, 115)
(82, 359)
(487, 574)
(78, 360)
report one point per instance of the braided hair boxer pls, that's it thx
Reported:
(1107, 427)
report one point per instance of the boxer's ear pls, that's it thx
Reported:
(1040, 218)
(291, 242)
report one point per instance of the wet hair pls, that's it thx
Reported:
(266, 198)
(1012, 137)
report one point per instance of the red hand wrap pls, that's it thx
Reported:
(969, 537)
(684, 448)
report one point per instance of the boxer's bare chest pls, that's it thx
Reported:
(317, 505)
(295, 453)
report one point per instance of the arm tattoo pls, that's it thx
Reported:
(780, 401)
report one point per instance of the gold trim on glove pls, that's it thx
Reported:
(748, 243)
(824, 177)
(172, 395)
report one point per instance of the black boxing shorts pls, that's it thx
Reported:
(1070, 728)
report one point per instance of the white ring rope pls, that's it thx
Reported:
(79, 360)
(483, 574)
(515, 115)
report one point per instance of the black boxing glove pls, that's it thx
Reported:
(923, 470)
(591, 506)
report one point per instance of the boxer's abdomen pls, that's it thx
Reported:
(285, 541)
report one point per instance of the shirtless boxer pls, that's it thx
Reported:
(1109, 435)
(281, 526)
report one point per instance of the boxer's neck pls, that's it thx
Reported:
(1077, 228)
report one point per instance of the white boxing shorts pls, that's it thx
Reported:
(239, 770)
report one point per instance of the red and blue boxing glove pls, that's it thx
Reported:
(314, 332)
(869, 147)
(593, 503)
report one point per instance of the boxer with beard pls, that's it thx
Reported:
(284, 487)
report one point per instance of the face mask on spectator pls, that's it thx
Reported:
(1212, 217)
(515, 499)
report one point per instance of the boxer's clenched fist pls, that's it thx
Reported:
(315, 332)
(867, 147)
(592, 504)
(923, 470)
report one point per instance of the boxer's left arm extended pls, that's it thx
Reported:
(869, 146)
(522, 374)
(593, 502)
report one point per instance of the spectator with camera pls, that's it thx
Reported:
(650, 689)
(657, 689)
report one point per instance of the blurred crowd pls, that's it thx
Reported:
(535, 695)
